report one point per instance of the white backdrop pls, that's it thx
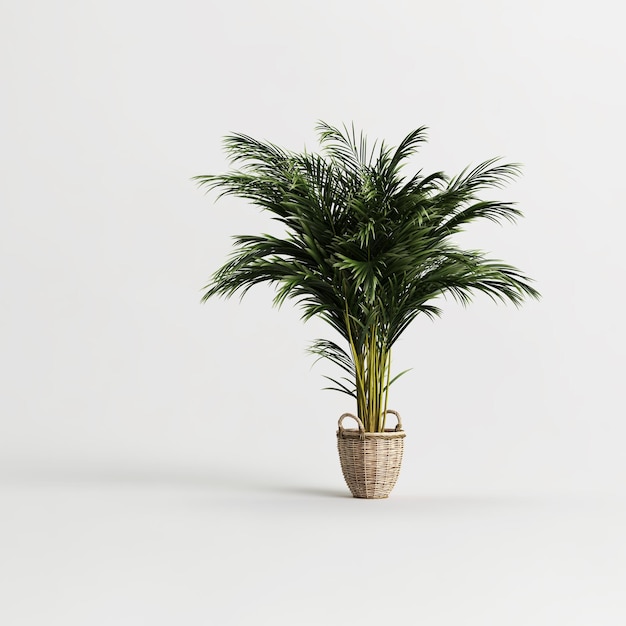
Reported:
(114, 374)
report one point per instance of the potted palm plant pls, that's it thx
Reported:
(367, 250)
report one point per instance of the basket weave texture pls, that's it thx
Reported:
(370, 462)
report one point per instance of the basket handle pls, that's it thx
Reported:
(399, 425)
(360, 423)
(354, 417)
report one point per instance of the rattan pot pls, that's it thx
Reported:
(370, 462)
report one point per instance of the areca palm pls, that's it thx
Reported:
(364, 247)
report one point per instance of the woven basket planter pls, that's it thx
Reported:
(370, 462)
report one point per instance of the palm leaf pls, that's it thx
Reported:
(364, 248)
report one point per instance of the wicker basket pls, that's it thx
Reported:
(370, 461)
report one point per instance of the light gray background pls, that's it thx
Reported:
(164, 462)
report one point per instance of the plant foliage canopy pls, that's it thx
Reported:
(365, 248)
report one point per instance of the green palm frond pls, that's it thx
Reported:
(365, 248)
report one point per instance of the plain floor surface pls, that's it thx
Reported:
(157, 546)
